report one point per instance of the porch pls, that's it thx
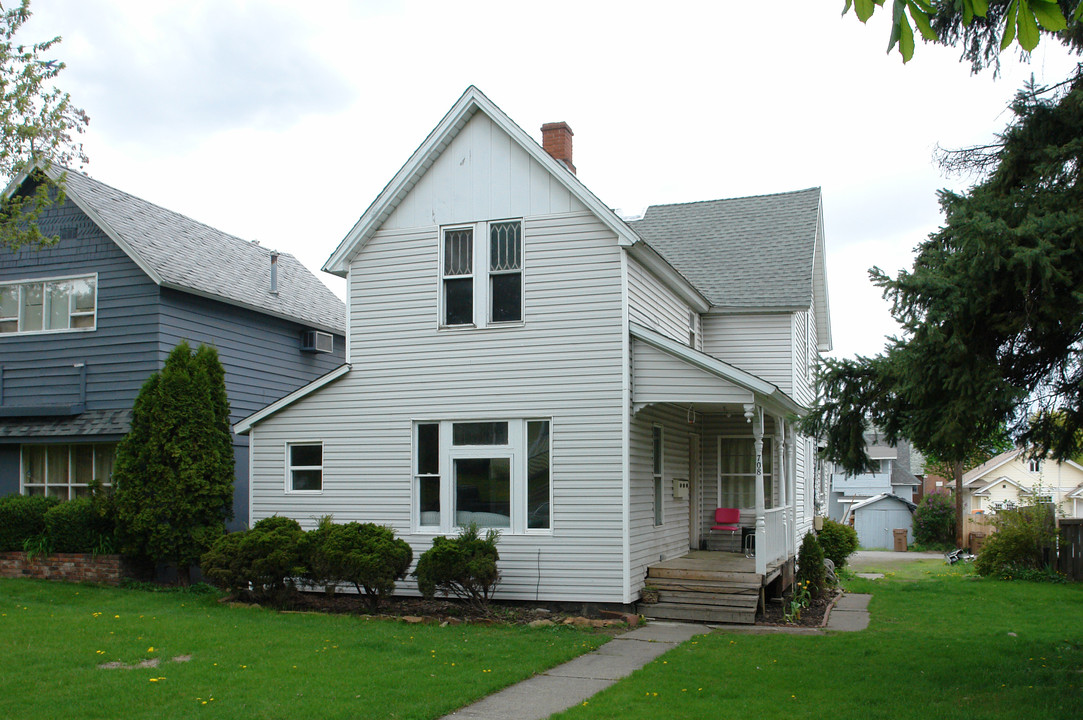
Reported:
(708, 586)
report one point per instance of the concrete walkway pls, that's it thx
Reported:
(575, 681)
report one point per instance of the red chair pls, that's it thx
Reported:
(727, 520)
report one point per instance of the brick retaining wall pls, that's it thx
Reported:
(69, 567)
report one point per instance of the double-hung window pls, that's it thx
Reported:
(657, 467)
(495, 474)
(304, 467)
(482, 274)
(50, 305)
(737, 472)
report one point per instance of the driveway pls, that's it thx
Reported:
(878, 558)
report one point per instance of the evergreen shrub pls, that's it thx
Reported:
(366, 555)
(464, 566)
(76, 527)
(264, 560)
(810, 565)
(934, 520)
(838, 542)
(22, 518)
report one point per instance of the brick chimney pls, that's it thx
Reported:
(557, 141)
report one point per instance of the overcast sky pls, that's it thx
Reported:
(282, 121)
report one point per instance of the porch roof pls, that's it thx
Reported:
(665, 370)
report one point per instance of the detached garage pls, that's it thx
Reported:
(876, 518)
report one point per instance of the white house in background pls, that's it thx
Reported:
(1012, 478)
(521, 357)
(892, 476)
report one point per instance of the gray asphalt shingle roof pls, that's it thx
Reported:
(188, 255)
(749, 252)
(91, 422)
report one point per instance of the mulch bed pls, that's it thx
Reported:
(811, 617)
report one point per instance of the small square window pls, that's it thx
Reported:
(304, 471)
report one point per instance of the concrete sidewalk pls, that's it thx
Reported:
(573, 682)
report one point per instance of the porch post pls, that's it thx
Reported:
(761, 523)
(791, 435)
(783, 478)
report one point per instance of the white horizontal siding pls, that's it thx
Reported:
(660, 377)
(653, 305)
(565, 363)
(650, 543)
(481, 175)
(761, 344)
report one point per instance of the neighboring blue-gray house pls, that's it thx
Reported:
(83, 324)
(893, 476)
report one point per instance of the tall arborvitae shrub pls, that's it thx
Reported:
(173, 477)
(810, 565)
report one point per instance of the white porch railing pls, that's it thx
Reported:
(772, 541)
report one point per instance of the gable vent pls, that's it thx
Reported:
(317, 341)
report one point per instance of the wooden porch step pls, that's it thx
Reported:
(706, 586)
(714, 600)
(729, 576)
(698, 613)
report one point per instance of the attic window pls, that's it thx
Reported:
(1035, 466)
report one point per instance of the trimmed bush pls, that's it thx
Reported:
(22, 518)
(810, 565)
(464, 566)
(267, 558)
(934, 520)
(838, 542)
(368, 556)
(75, 526)
(1019, 545)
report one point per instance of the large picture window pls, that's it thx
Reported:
(66, 471)
(50, 305)
(482, 274)
(495, 474)
(737, 472)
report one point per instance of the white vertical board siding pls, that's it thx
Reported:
(481, 175)
(564, 363)
(653, 305)
(761, 344)
(650, 542)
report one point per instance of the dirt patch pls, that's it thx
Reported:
(811, 617)
(148, 663)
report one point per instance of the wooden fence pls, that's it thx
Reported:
(1070, 548)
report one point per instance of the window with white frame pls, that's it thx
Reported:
(66, 471)
(1035, 465)
(496, 474)
(692, 329)
(657, 471)
(737, 472)
(304, 467)
(48, 305)
(482, 274)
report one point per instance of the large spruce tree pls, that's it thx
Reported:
(992, 311)
(174, 470)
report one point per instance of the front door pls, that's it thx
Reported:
(694, 515)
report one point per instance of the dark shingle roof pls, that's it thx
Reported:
(750, 252)
(92, 422)
(188, 255)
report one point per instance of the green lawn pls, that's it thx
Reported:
(942, 644)
(246, 662)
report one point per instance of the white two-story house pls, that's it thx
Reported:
(521, 357)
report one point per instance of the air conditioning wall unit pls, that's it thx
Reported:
(317, 341)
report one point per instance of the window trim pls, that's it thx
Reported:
(481, 276)
(289, 467)
(658, 473)
(516, 450)
(43, 281)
